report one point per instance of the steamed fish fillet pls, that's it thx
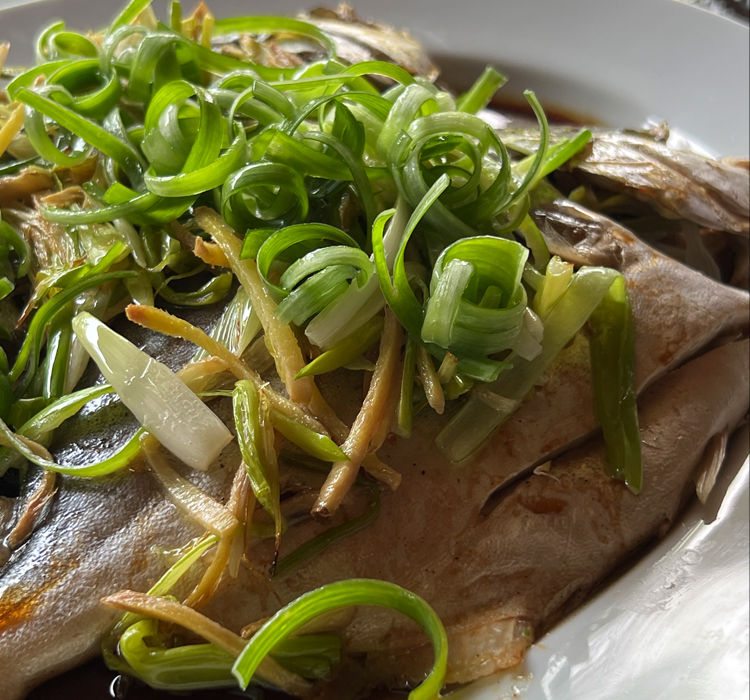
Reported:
(108, 534)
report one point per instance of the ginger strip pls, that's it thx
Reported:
(280, 337)
(374, 410)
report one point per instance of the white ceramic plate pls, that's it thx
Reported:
(676, 625)
(620, 61)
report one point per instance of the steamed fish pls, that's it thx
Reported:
(421, 360)
(108, 534)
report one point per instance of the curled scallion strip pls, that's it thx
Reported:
(119, 459)
(122, 153)
(273, 25)
(263, 195)
(477, 302)
(472, 426)
(340, 595)
(318, 277)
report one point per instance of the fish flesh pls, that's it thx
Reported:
(456, 536)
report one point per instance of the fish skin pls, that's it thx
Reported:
(357, 40)
(708, 192)
(126, 516)
(50, 618)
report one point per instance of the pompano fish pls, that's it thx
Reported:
(108, 534)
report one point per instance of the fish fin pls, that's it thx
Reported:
(710, 465)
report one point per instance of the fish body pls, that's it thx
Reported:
(500, 572)
(446, 533)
